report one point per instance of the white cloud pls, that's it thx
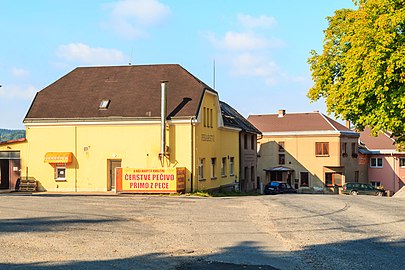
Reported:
(251, 65)
(259, 22)
(130, 18)
(18, 92)
(239, 41)
(82, 53)
(19, 72)
(247, 53)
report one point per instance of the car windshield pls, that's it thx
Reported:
(274, 184)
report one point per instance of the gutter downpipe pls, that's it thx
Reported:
(192, 122)
(163, 121)
(394, 174)
(76, 159)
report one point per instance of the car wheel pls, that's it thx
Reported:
(354, 192)
(380, 194)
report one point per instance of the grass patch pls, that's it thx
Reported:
(222, 193)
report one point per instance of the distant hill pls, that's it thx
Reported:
(10, 134)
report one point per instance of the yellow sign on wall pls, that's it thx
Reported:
(150, 180)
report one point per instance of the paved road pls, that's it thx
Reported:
(49, 231)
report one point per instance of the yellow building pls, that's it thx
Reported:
(310, 151)
(95, 119)
(10, 163)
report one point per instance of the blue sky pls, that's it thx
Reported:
(260, 47)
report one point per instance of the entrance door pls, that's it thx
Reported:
(333, 179)
(112, 164)
(276, 176)
(4, 174)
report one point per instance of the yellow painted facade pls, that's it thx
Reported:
(300, 157)
(214, 144)
(95, 146)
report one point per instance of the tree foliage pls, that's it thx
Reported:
(361, 71)
(7, 134)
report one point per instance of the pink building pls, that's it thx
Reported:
(386, 165)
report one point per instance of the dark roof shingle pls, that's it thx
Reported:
(133, 91)
(232, 118)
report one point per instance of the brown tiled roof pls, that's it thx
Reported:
(381, 142)
(13, 141)
(296, 122)
(133, 91)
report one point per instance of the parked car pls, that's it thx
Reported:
(362, 189)
(277, 187)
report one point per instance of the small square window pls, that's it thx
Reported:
(104, 104)
(376, 162)
(60, 173)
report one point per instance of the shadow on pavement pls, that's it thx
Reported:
(371, 253)
(46, 224)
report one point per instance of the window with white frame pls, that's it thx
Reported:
(375, 184)
(223, 166)
(201, 169)
(213, 165)
(376, 162)
(104, 104)
(231, 164)
(60, 172)
(402, 161)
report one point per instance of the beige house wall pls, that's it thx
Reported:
(300, 157)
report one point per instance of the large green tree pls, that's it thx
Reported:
(361, 71)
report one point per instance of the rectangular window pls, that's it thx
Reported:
(201, 169)
(205, 116)
(60, 172)
(223, 167)
(246, 174)
(375, 184)
(231, 161)
(213, 164)
(245, 139)
(322, 149)
(304, 179)
(252, 142)
(402, 162)
(281, 147)
(344, 149)
(104, 104)
(211, 120)
(354, 148)
(376, 163)
(281, 159)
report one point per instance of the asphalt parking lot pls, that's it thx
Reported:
(62, 231)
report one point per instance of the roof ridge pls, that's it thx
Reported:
(287, 113)
(327, 120)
